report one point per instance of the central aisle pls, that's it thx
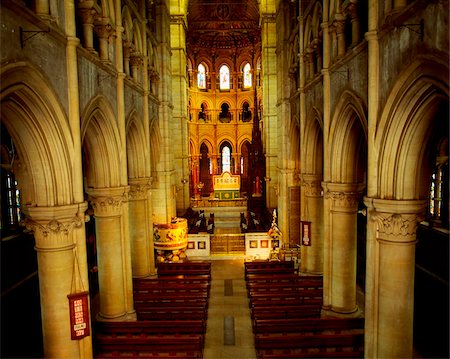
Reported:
(229, 330)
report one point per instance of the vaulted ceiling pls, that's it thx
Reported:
(218, 24)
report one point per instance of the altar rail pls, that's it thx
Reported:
(228, 244)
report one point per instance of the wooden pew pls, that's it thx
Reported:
(142, 303)
(306, 325)
(185, 269)
(307, 346)
(171, 313)
(269, 267)
(144, 327)
(304, 297)
(142, 344)
(285, 312)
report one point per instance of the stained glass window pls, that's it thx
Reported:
(247, 76)
(201, 76)
(224, 74)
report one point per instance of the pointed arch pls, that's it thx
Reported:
(313, 144)
(137, 150)
(408, 120)
(348, 140)
(101, 144)
(33, 116)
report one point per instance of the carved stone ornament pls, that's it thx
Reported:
(343, 199)
(139, 191)
(108, 206)
(312, 188)
(53, 227)
(396, 227)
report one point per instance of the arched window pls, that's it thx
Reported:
(201, 76)
(226, 158)
(247, 76)
(224, 74)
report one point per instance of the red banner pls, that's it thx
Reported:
(306, 233)
(79, 315)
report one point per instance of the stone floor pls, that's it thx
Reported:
(229, 331)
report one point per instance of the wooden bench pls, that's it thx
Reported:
(294, 283)
(285, 312)
(150, 355)
(141, 344)
(199, 304)
(308, 296)
(171, 313)
(306, 346)
(184, 292)
(259, 271)
(306, 325)
(126, 328)
(263, 264)
(185, 268)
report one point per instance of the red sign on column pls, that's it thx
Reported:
(306, 233)
(79, 315)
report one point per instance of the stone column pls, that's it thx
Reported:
(108, 204)
(127, 49)
(340, 35)
(141, 228)
(340, 251)
(87, 18)
(103, 30)
(356, 27)
(62, 268)
(391, 243)
(312, 256)
(42, 7)
(136, 63)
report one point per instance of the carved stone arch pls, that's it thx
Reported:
(348, 140)
(312, 143)
(137, 149)
(243, 99)
(101, 145)
(108, 10)
(205, 61)
(127, 22)
(406, 125)
(225, 140)
(317, 20)
(308, 35)
(242, 140)
(35, 119)
(208, 143)
(243, 60)
(138, 39)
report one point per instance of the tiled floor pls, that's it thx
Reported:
(229, 331)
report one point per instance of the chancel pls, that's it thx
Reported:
(224, 179)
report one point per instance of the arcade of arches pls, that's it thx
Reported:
(116, 115)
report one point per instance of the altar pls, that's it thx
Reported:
(226, 186)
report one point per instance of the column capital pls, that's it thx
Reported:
(108, 201)
(311, 184)
(343, 195)
(396, 220)
(53, 226)
(139, 188)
